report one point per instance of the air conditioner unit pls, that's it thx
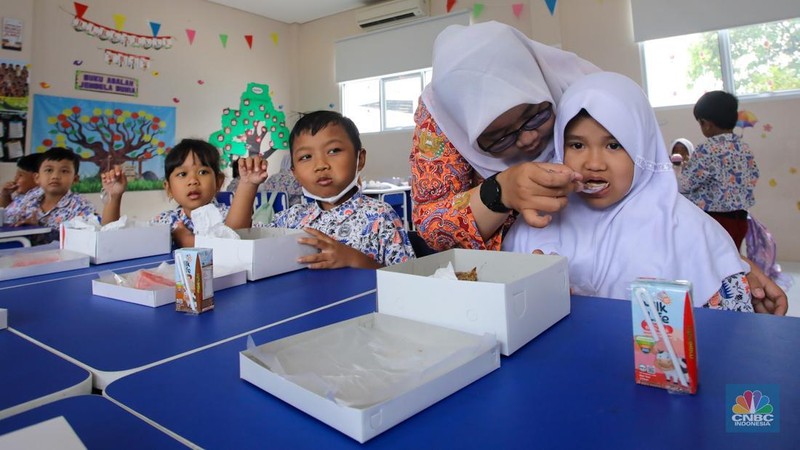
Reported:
(391, 13)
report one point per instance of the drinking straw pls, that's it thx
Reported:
(638, 293)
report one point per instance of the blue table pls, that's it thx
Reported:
(112, 338)
(20, 234)
(99, 423)
(31, 376)
(572, 387)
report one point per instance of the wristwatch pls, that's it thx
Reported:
(491, 195)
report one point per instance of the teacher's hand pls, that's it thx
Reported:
(536, 190)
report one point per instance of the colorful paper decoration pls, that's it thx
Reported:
(249, 39)
(190, 35)
(551, 5)
(128, 60)
(224, 39)
(517, 8)
(275, 38)
(117, 36)
(119, 21)
(477, 10)
(155, 27)
(746, 119)
(450, 4)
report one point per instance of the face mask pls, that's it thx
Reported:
(335, 198)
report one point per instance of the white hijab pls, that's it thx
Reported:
(686, 143)
(481, 71)
(653, 231)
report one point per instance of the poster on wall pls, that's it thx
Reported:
(105, 83)
(12, 34)
(14, 91)
(105, 134)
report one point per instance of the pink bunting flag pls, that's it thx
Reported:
(450, 4)
(249, 39)
(224, 39)
(80, 9)
(517, 8)
(190, 34)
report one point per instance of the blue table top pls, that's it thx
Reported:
(22, 230)
(29, 372)
(98, 422)
(572, 387)
(112, 335)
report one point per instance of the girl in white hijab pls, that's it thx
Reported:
(635, 223)
(489, 110)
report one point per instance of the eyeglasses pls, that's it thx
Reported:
(536, 121)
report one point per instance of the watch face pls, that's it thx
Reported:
(491, 195)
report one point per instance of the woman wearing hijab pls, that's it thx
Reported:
(484, 136)
(607, 131)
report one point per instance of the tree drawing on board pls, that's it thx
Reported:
(257, 122)
(108, 137)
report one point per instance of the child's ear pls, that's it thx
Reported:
(362, 159)
(220, 180)
(77, 178)
(36, 177)
(166, 189)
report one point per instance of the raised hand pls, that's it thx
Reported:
(252, 170)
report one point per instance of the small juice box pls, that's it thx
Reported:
(664, 341)
(194, 276)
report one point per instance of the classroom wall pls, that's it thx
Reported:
(51, 45)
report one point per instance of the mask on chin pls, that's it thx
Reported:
(342, 193)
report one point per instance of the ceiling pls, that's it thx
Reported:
(291, 11)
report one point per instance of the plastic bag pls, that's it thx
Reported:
(265, 213)
(762, 250)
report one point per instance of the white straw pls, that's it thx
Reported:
(663, 331)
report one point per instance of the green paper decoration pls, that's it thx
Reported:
(224, 39)
(244, 130)
(477, 10)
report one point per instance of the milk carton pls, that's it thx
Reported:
(664, 341)
(194, 276)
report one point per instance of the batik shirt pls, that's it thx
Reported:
(285, 182)
(733, 295)
(721, 175)
(70, 206)
(173, 217)
(363, 223)
(440, 179)
(14, 209)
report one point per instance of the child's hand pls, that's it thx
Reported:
(332, 253)
(6, 192)
(252, 170)
(182, 236)
(114, 181)
(30, 220)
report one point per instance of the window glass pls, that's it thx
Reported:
(402, 95)
(361, 103)
(766, 57)
(680, 69)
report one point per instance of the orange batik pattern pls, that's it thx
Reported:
(440, 179)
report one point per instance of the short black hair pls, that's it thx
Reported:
(314, 121)
(207, 154)
(719, 108)
(59, 154)
(29, 163)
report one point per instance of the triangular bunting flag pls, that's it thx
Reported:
(80, 9)
(249, 39)
(155, 26)
(517, 8)
(477, 10)
(190, 34)
(275, 38)
(450, 4)
(551, 5)
(224, 39)
(119, 21)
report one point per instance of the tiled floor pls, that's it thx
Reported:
(793, 294)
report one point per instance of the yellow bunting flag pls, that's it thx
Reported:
(119, 21)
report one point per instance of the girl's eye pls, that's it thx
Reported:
(614, 146)
(203, 171)
(180, 174)
(575, 145)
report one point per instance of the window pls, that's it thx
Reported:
(753, 60)
(384, 103)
